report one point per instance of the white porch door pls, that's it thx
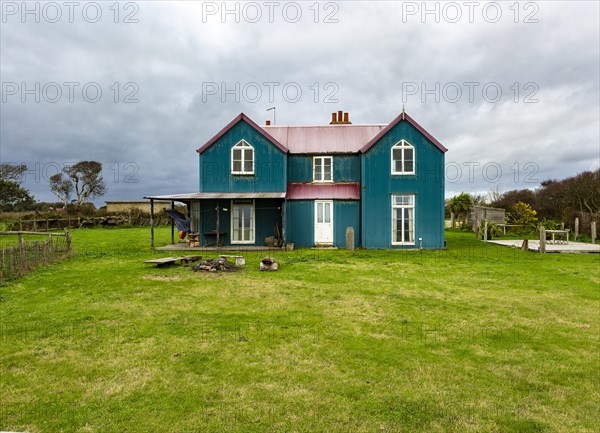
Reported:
(323, 222)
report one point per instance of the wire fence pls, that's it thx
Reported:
(29, 253)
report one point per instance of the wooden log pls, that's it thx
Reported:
(525, 245)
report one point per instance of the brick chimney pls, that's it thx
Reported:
(268, 123)
(340, 118)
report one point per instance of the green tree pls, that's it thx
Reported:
(524, 214)
(12, 194)
(459, 207)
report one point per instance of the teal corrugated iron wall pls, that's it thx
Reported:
(346, 168)
(378, 184)
(346, 213)
(267, 212)
(300, 222)
(270, 169)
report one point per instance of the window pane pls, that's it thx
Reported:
(327, 218)
(327, 175)
(248, 155)
(408, 223)
(247, 216)
(237, 166)
(319, 212)
(397, 154)
(398, 225)
(408, 160)
(237, 154)
(318, 168)
(248, 166)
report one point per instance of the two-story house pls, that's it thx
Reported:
(309, 183)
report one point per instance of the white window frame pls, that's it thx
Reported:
(243, 145)
(253, 219)
(403, 145)
(322, 158)
(403, 206)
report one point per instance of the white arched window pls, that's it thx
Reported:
(242, 158)
(403, 158)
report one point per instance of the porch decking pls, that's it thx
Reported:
(241, 248)
(534, 245)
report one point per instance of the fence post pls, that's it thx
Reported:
(576, 228)
(47, 224)
(593, 232)
(542, 239)
(350, 238)
(20, 225)
(68, 239)
(34, 224)
(485, 232)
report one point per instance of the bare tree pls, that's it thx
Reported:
(84, 179)
(494, 194)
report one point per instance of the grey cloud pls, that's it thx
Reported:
(369, 55)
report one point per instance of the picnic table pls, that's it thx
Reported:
(563, 236)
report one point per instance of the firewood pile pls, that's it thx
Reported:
(215, 265)
(268, 264)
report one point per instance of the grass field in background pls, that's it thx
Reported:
(477, 338)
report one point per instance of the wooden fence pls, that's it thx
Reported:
(28, 254)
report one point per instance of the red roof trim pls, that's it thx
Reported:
(403, 116)
(231, 124)
(312, 191)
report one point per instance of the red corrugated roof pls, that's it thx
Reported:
(312, 191)
(325, 138)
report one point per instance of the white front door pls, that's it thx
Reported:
(324, 222)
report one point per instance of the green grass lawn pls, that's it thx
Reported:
(478, 338)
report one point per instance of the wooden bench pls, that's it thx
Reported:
(561, 233)
(168, 261)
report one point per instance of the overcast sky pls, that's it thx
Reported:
(192, 69)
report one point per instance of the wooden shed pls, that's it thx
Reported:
(482, 213)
